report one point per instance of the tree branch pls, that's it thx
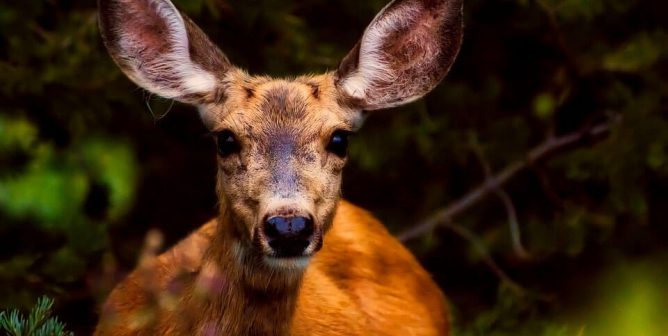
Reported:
(551, 145)
(480, 247)
(513, 222)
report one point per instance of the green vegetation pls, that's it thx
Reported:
(38, 323)
(89, 163)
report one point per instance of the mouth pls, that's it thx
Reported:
(288, 248)
(294, 254)
(289, 263)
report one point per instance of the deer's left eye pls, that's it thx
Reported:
(338, 143)
(227, 143)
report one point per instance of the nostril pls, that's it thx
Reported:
(288, 227)
(288, 236)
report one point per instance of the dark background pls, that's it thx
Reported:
(89, 162)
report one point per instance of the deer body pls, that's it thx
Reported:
(285, 256)
(374, 288)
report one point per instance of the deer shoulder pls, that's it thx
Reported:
(363, 278)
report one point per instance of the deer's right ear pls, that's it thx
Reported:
(162, 50)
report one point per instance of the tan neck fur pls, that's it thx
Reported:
(236, 293)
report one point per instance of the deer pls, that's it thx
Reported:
(286, 255)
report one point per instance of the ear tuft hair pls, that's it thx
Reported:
(161, 50)
(404, 53)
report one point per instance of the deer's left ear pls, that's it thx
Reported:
(404, 53)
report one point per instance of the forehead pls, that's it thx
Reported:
(261, 104)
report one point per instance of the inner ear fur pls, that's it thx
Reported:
(162, 50)
(403, 54)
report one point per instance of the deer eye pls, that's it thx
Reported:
(227, 143)
(338, 143)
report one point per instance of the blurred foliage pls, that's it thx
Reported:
(86, 169)
(38, 323)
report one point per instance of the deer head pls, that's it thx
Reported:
(282, 143)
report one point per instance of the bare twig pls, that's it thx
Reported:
(555, 200)
(513, 223)
(484, 254)
(515, 234)
(551, 145)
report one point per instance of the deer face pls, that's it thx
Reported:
(282, 143)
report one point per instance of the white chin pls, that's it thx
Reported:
(293, 263)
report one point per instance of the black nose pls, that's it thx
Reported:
(288, 236)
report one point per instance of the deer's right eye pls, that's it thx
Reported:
(338, 144)
(227, 143)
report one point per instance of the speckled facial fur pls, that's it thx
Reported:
(283, 127)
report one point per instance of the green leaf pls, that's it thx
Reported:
(638, 53)
(544, 105)
(16, 133)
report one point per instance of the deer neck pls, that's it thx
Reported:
(242, 295)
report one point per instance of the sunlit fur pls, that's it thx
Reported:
(353, 278)
(362, 282)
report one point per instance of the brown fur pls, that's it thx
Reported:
(352, 278)
(363, 282)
